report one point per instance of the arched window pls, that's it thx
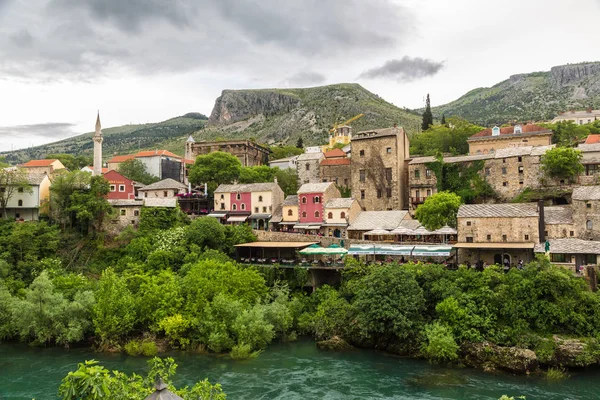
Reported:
(342, 215)
(222, 197)
(238, 196)
(317, 214)
(243, 206)
(304, 200)
(589, 224)
(290, 213)
(20, 203)
(234, 207)
(317, 199)
(303, 214)
(259, 198)
(330, 215)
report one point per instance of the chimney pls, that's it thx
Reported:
(541, 221)
(275, 179)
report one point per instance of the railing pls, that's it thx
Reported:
(418, 200)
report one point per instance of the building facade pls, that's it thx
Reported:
(285, 163)
(121, 188)
(342, 135)
(163, 193)
(379, 170)
(312, 198)
(127, 213)
(308, 167)
(248, 152)
(25, 205)
(338, 214)
(98, 139)
(336, 167)
(578, 117)
(493, 139)
(47, 167)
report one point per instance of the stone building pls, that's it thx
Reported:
(591, 162)
(248, 152)
(586, 211)
(578, 117)
(312, 198)
(286, 215)
(127, 213)
(284, 163)
(163, 193)
(379, 172)
(47, 167)
(336, 168)
(492, 139)
(308, 167)
(339, 213)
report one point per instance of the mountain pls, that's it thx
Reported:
(535, 96)
(281, 116)
(170, 135)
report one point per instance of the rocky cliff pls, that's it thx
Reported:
(238, 105)
(535, 96)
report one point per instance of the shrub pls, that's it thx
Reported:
(439, 343)
(176, 327)
(144, 347)
(243, 352)
(556, 374)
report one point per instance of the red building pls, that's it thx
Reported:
(121, 188)
(241, 201)
(312, 198)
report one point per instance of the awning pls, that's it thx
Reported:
(259, 216)
(378, 232)
(300, 226)
(393, 250)
(313, 227)
(432, 251)
(422, 231)
(277, 244)
(335, 224)
(495, 245)
(217, 215)
(288, 223)
(402, 230)
(445, 230)
(239, 218)
(356, 249)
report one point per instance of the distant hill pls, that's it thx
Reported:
(536, 96)
(281, 116)
(170, 134)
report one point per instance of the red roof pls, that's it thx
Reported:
(509, 130)
(592, 139)
(120, 159)
(152, 153)
(189, 162)
(39, 163)
(336, 161)
(335, 153)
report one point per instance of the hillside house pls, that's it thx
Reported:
(285, 163)
(121, 188)
(163, 193)
(338, 214)
(312, 198)
(496, 138)
(26, 205)
(248, 152)
(336, 168)
(367, 221)
(578, 117)
(114, 162)
(47, 167)
(286, 216)
(308, 167)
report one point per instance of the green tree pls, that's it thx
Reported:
(568, 133)
(71, 162)
(206, 232)
(443, 121)
(89, 207)
(279, 152)
(438, 210)
(449, 138)
(64, 185)
(136, 171)
(427, 115)
(12, 180)
(161, 218)
(287, 179)
(257, 174)
(439, 343)
(300, 143)
(562, 163)
(215, 168)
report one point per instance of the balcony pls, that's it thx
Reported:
(417, 200)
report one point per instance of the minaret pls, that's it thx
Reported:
(189, 151)
(98, 148)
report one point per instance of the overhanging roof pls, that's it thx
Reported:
(495, 245)
(276, 244)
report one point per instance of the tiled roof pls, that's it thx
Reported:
(335, 161)
(500, 153)
(38, 163)
(335, 153)
(498, 210)
(291, 200)
(277, 215)
(369, 220)
(558, 215)
(340, 202)
(591, 147)
(36, 179)
(569, 246)
(591, 139)
(513, 152)
(189, 162)
(453, 159)
(315, 187)
(541, 150)
(152, 153)
(586, 193)
(410, 224)
(310, 156)
(120, 159)
(376, 133)
(126, 203)
(164, 184)
(509, 130)
(246, 187)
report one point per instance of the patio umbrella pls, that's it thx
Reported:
(335, 249)
(377, 232)
(422, 231)
(446, 230)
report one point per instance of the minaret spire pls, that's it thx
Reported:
(98, 139)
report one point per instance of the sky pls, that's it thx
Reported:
(141, 61)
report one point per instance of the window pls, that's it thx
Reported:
(545, 234)
(417, 173)
(361, 153)
(558, 257)
(222, 197)
(238, 196)
(2, 189)
(520, 182)
(264, 209)
(123, 211)
(165, 194)
(417, 193)
(526, 237)
(317, 214)
(113, 188)
(427, 173)
(121, 188)
(469, 239)
(136, 213)
(503, 170)
(308, 167)
(20, 203)
(20, 190)
(256, 210)
(243, 206)
(330, 215)
(388, 150)
(303, 214)
(505, 184)
(572, 233)
(378, 193)
(428, 192)
(222, 206)
(343, 215)
(345, 181)
(588, 205)
(317, 199)
(362, 176)
(324, 180)
(362, 194)
(17, 215)
(388, 175)
(304, 200)
(489, 237)
(290, 213)
(521, 169)
(389, 192)
(487, 171)
(588, 224)
(520, 159)
(504, 238)
(468, 223)
(504, 160)
(234, 207)
(145, 194)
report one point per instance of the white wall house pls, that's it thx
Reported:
(25, 205)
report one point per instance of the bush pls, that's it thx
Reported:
(243, 352)
(176, 328)
(144, 347)
(556, 374)
(439, 343)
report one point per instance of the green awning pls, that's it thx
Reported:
(393, 250)
(357, 249)
(432, 251)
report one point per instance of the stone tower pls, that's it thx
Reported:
(189, 151)
(98, 148)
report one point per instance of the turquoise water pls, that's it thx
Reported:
(295, 371)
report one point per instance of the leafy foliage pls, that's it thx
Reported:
(445, 138)
(136, 171)
(71, 162)
(279, 152)
(562, 163)
(439, 344)
(464, 179)
(427, 115)
(214, 169)
(438, 210)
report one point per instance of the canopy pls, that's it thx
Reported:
(393, 250)
(316, 249)
(379, 232)
(336, 249)
(402, 230)
(445, 230)
(361, 249)
(238, 218)
(259, 216)
(217, 215)
(422, 231)
(313, 227)
(432, 251)
(300, 226)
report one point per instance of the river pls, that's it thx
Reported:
(293, 371)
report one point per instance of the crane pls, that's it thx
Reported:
(335, 126)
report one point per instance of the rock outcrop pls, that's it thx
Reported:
(336, 343)
(490, 357)
(237, 105)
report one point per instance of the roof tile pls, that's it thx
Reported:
(246, 187)
(509, 130)
(498, 210)
(586, 193)
(369, 220)
(164, 184)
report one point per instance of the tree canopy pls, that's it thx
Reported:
(279, 152)
(215, 169)
(562, 163)
(71, 162)
(449, 138)
(427, 115)
(438, 210)
(136, 171)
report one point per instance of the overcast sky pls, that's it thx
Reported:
(149, 60)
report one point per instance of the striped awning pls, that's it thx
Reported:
(432, 251)
(237, 218)
(356, 249)
(217, 215)
(393, 250)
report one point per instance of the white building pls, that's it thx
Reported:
(25, 204)
(285, 163)
(578, 117)
(163, 193)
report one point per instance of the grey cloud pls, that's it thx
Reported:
(304, 78)
(49, 129)
(22, 38)
(405, 69)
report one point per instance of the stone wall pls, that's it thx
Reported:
(485, 146)
(309, 171)
(515, 229)
(586, 216)
(340, 174)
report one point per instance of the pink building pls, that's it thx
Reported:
(312, 198)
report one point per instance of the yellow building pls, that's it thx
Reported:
(343, 135)
(491, 139)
